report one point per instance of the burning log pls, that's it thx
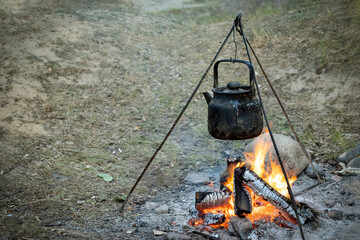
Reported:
(268, 193)
(232, 162)
(242, 199)
(211, 200)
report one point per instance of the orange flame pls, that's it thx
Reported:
(270, 172)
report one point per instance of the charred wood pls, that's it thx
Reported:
(268, 193)
(211, 200)
(242, 199)
(214, 218)
(283, 222)
(229, 171)
(195, 221)
(235, 159)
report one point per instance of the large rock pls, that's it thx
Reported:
(355, 162)
(290, 152)
(349, 155)
(318, 168)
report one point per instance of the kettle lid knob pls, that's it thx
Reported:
(233, 85)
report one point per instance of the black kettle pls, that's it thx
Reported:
(234, 113)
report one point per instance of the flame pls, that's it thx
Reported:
(271, 173)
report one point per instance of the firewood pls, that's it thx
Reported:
(231, 164)
(268, 193)
(242, 199)
(211, 200)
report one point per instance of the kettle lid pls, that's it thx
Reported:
(233, 85)
(232, 88)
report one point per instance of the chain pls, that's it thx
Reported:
(234, 27)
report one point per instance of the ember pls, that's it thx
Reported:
(257, 192)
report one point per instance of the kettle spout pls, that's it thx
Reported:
(207, 97)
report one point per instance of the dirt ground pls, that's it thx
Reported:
(91, 87)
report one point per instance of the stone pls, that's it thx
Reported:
(177, 236)
(335, 214)
(131, 230)
(240, 227)
(318, 168)
(158, 233)
(162, 209)
(335, 178)
(291, 154)
(355, 162)
(197, 178)
(349, 155)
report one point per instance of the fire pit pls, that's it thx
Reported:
(250, 189)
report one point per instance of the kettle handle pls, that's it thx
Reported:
(248, 64)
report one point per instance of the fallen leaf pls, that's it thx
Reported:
(120, 198)
(106, 177)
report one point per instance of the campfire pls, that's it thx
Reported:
(253, 188)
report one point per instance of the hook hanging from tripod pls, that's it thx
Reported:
(237, 23)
